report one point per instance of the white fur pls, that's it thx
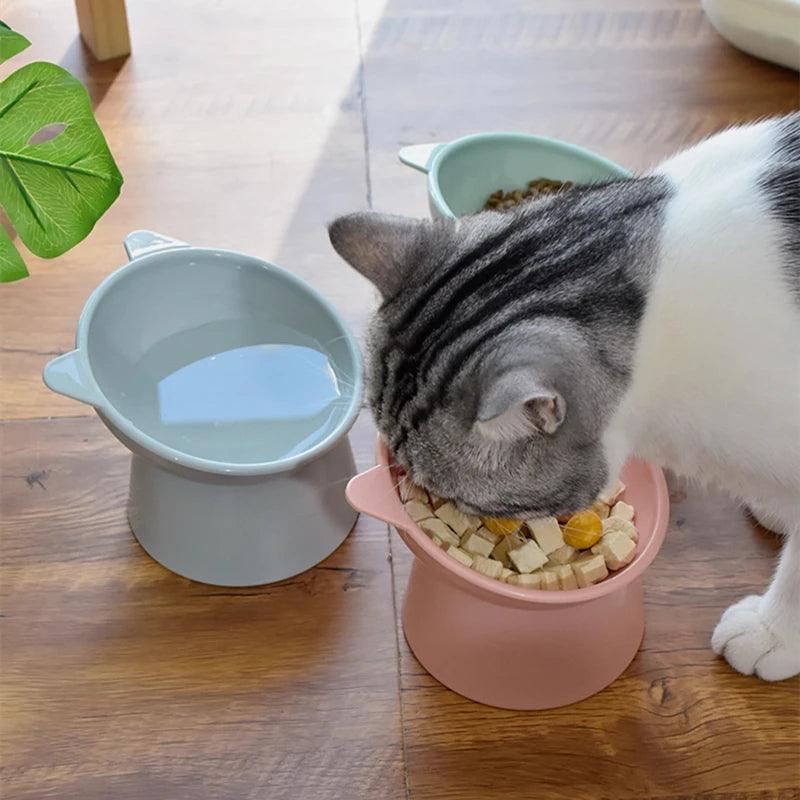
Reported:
(715, 393)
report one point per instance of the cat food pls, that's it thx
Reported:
(582, 530)
(502, 201)
(550, 554)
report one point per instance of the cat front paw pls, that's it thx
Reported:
(751, 646)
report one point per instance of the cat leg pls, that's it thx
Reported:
(761, 633)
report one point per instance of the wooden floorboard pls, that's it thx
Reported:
(679, 722)
(123, 680)
(248, 125)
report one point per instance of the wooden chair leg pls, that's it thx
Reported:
(104, 27)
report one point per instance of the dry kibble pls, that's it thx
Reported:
(460, 555)
(418, 511)
(623, 510)
(622, 525)
(589, 570)
(506, 545)
(564, 575)
(549, 582)
(551, 554)
(616, 548)
(609, 497)
(563, 555)
(435, 527)
(487, 566)
(501, 526)
(601, 509)
(539, 187)
(494, 538)
(528, 557)
(461, 523)
(547, 533)
(436, 501)
(476, 545)
(583, 530)
(532, 580)
(410, 491)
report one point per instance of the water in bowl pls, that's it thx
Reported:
(227, 393)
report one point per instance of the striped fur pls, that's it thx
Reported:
(560, 282)
(517, 361)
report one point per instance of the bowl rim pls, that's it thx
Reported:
(546, 142)
(172, 455)
(424, 548)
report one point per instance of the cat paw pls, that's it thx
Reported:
(750, 646)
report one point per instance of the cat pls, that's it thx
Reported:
(518, 359)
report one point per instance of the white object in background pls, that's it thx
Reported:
(768, 29)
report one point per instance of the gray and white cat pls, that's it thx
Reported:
(518, 359)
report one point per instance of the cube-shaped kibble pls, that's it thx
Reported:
(528, 557)
(549, 582)
(436, 501)
(502, 525)
(494, 538)
(435, 527)
(531, 580)
(476, 545)
(410, 491)
(487, 566)
(622, 510)
(609, 496)
(506, 574)
(460, 555)
(564, 575)
(622, 525)
(616, 548)
(589, 570)
(439, 542)
(458, 521)
(547, 533)
(563, 555)
(418, 511)
(505, 545)
(601, 509)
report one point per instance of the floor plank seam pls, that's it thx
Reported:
(399, 675)
(52, 418)
(362, 97)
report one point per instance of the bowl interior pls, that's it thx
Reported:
(469, 170)
(645, 489)
(221, 356)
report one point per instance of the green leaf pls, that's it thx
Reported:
(11, 42)
(12, 268)
(54, 188)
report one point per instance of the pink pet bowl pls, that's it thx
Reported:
(509, 646)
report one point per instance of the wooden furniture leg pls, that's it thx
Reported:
(104, 27)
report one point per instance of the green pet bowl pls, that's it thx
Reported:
(463, 173)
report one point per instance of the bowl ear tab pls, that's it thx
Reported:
(374, 493)
(419, 156)
(65, 375)
(141, 243)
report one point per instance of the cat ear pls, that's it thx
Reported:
(516, 405)
(379, 246)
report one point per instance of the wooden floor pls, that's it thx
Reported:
(248, 124)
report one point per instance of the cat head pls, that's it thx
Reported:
(490, 372)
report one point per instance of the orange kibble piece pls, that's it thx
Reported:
(503, 527)
(583, 530)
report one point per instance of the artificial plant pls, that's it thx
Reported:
(57, 175)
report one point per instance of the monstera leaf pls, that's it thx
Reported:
(12, 267)
(11, 42)
(57, 175)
